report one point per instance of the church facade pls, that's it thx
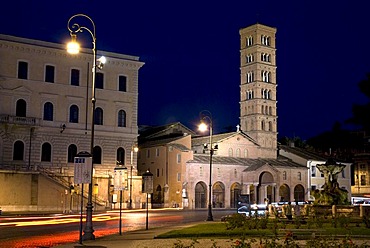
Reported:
(245, 163)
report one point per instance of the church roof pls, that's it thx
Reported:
(303, 153)
(218, 138)
(250, 163)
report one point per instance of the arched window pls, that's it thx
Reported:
(120, 155)
(46, 152)
(72, 152)
(270, 126)
(299, 176)
(262, 125)
(18, 150)
(21, 108)
(238, 153)
(73, 114)
(48, 111)
(121, 118)
(245, 153)
(98, 116)
(230, 152)
(97, 153)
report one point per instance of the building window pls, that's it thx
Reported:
(18, 150)
(201, 171)
(21, 108)
(178, 158)
(265, 76)
(99, 80)
(363, 180)
(148, 153)
(230, 152)
(284, 175)
(238, 153)
(49, 73)
(265, 57)
(73, 114)
(75, 77)
(46, 152)
(157, 152)
(121, 118)
(157, 172)
(98, 120)
(245, 153)
(299, 176)
(313, 187)
(235, 173)
(72, 152)
(120, 158)
(22, 70)
(122, 83)
(179, 177)
(48, 111)
(313, 171)
(97, 154)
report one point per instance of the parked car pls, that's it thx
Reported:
(252, 210)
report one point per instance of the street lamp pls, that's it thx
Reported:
(133, 149)
(120, 184)
(206, 115)
(73, 48)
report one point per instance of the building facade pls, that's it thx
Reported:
(45, 117)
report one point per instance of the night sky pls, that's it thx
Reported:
(191, 54)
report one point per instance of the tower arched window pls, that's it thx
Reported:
(48, 111)
(270, 110)
(270, 126)
(262, 125)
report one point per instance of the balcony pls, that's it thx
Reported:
(28, 121)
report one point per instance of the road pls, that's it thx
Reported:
(55, 229)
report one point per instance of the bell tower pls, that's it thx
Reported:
(258, 110)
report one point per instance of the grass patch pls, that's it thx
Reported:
(219, 230)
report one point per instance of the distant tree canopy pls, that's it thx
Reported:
(361, 113)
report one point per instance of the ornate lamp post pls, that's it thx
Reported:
(206, 115)
(73, 48)
(133, 149)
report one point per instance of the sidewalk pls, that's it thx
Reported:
(132, 239)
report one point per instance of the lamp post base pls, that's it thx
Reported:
(88, 231)
(209, 217)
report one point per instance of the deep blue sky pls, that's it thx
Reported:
(191, 53)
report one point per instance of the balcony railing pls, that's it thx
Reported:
(29, 121)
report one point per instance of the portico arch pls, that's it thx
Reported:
(200, 195)
(218, 200)
(235, 191)
(299, 193)
(284, 193)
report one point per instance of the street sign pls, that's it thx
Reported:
(83, 170)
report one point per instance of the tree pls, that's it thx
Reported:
(361, 113)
